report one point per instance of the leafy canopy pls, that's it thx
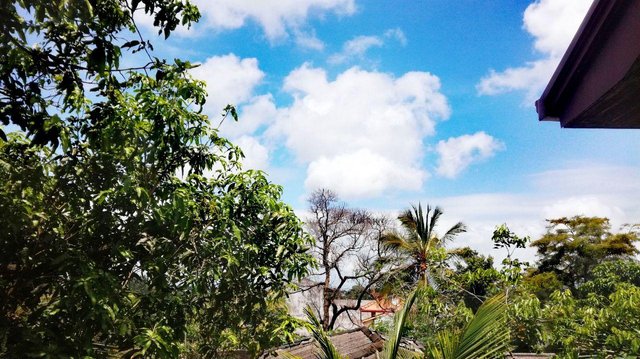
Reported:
(129, 227)
(603, 320)
(572, 247)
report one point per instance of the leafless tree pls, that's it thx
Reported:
(348, 252)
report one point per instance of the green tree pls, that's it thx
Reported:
(484, 336)
(473, 277)
(541, 284)
(606, 276)
(512, 270)
(572, 247)
(129, 227)
(526, 323)
(419, 242)
(53, 51)
(601, 328)
(601, 320)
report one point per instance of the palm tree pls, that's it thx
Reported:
(419, 240)
(485, 336)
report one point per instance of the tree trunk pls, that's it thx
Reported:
(425, 273)
(326, 299)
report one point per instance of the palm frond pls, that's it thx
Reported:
(437, 212)
(408, 220)
(290, 356)
(392, 345)
(394, 241)
(453, 231)
(327, 349)
(421, 221)
(486, 335)
(445, 346)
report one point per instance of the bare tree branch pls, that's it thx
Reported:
(348, 251)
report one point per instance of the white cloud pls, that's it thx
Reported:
(276, 18)
(553, 24)
(357, 47)
(308, 40)
(362, 174)
(355, 130)
(254, 116)
(484, 211)
(588, 205)
(256, 154)
(457, 153)
(530, 78)
(592, 190)
(230, 80)
(397, 34)
(590, 179)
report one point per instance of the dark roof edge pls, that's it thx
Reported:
(599, 11)
(373, 335)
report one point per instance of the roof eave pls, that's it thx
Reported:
(580, 45)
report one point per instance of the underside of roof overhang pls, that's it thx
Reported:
(597, 84)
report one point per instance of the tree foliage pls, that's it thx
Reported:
(484, 336)
(474, 277)
(598, 318)
(603, 321)
(438, 311)
(54, 50)
(582, 298)
(512, 267)
(572, 247)
(129, 227)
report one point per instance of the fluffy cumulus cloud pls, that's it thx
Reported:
(276, 18)
(230, 80)
(552, 24)
(457, 153)
(362, 174)
(361, 133)
(357, 47)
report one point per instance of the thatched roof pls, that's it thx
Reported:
(529, 356)
(360, 343)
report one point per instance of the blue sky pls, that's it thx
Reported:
(391, 103)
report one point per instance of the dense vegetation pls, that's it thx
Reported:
(128, 225)
(582, 297)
